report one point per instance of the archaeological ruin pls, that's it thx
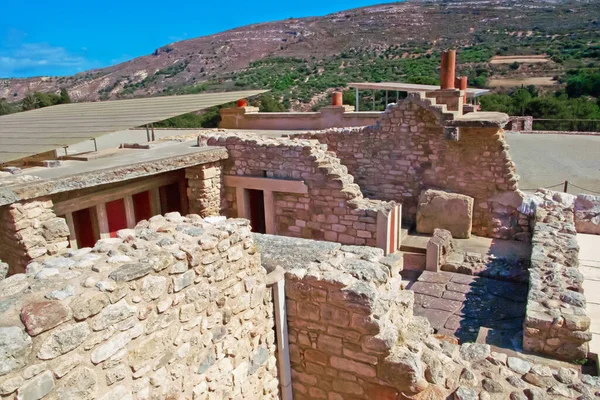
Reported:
(387, 256)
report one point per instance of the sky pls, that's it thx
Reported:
(41, 37)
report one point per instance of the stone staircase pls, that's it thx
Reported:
(441, 110)
(413, 254)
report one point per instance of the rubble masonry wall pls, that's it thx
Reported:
(175, 309)
(407, 152)
(30, 231)
(556, 322)
(334, 208)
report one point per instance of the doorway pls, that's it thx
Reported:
(256, 202)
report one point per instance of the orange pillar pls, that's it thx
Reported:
(242, 103)
(451, 71)
(461, 83)
(444, 71)
(336, 99)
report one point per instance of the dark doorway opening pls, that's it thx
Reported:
(170, 198)
(256, 202)
(84, 228)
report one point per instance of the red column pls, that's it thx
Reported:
(444, 71)
(242, 103)
(336, 99)
(461, 83)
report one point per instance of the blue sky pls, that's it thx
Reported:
(65, 37)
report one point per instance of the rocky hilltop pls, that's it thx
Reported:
(411, 25)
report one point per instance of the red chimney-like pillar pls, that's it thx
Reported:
(448, 69)
(461, 84)
(336, 99)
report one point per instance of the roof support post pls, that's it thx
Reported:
(147, 133)
(356, 108)
(373, 99)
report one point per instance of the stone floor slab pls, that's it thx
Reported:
(435, 277)
(437, 318)
(437, 303)
(430, 289)
(591, 289)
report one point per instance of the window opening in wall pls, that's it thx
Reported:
(117, 219)
(84, 228)
(141, 206)
(256, 204)
(170, 198)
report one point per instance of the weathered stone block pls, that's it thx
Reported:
(15, 346)
(44, 315)
(450, 211)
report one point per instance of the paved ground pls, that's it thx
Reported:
(544, 160)
(459, 305)
(589, 265)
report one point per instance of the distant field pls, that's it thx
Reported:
(537, 81)
(519, 59)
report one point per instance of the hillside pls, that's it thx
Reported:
(300, 58)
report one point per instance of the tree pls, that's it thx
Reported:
(269, 104)
(29, 102)
(521, 99)
(4, 107)
(64, 96)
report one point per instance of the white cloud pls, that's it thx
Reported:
(27, 59)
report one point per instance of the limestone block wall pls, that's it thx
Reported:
(204, 189)
(176, 308)
(334, 208)
(556, 322)
(30, 231)
(407, 152)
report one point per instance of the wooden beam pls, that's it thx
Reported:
(102, 218)
(104, 196)
(129, 212)
(266, 184)
(155, 208)
(270, 225)
(243, 202)
(72, 233)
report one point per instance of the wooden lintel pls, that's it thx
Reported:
(266, 184)
(104, 196)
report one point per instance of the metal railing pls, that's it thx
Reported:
(577, 125)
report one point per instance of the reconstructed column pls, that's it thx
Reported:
(447, 71)
(461, 84)
(242, 103)
(336, 99)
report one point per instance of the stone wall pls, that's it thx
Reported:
(334, 208)
(205, 183)
(30, 231)
(407, 152)
(175, 309)
(326, 117)
(556, 322)
(587, 214)
(353, 335)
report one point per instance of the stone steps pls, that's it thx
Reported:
(413, 261)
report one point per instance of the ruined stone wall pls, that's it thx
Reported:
(30, 231)
(587, 214)
(334, 208)
(353, 335)
(175, 309)
(205, 184)
(556, 322)
(407, 152)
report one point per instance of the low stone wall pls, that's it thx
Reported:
(326, 117)
(334, 208)
(175, 309)
(556, 322)
(587, 214)
(30, 231)
(353, 335)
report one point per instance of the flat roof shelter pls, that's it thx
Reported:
(397, 87)
(46, 129)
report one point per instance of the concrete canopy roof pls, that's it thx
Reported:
(408, 87)
(45, 129)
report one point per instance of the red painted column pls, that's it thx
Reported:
(242, 103)
(461, 83)
(444, 71)
(336, 99)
